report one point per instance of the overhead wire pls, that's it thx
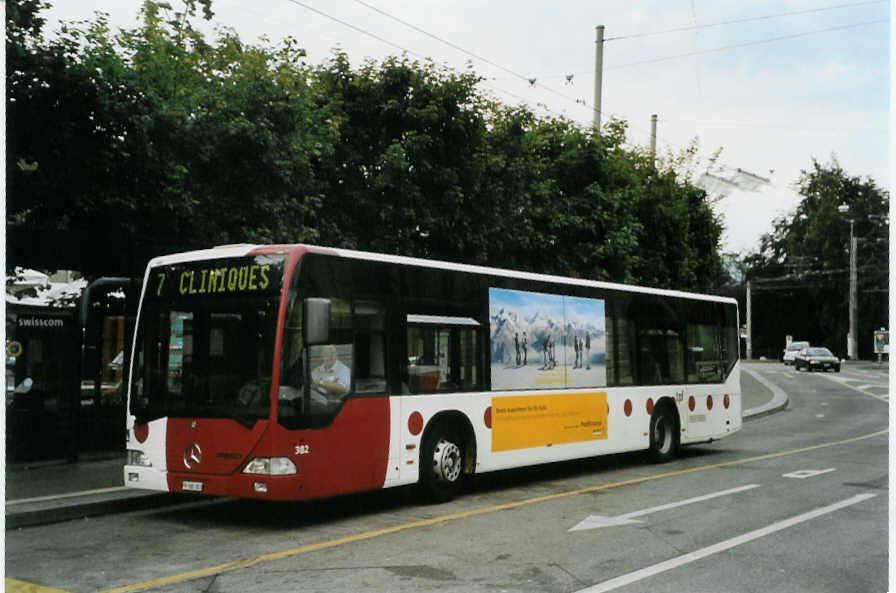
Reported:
(740, 45)
(721, 49)
(529, 79)
(742, 20)
(383, 40)
(747, 44)
(581, 102)
(441, 40)
(774, 126)
(354, 28)
(408, 51)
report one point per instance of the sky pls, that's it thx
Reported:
(773, 84)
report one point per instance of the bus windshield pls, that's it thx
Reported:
(205, 340)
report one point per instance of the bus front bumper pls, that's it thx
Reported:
(241, 485)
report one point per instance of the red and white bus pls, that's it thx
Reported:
(294, 372)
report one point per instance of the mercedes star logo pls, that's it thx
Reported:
(192, 456)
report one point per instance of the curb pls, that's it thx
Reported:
(46, 510)
(778, 402)
(750, 414)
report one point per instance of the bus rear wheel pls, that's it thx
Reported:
(664, 436)
(442, 464)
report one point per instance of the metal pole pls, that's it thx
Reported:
(653, 138)
(852, 337)
(598, 74)
(749, 322)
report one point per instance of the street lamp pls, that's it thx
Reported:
(851, 343)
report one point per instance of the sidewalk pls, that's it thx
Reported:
(49, 492)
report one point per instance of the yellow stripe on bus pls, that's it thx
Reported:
(462, 515)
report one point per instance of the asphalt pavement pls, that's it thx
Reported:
(51, 492)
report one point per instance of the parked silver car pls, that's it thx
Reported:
(792, 350)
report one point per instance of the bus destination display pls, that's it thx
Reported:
(243, 276)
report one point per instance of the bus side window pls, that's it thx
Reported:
(292, 373)
(659, 356)
(427, 358)
(705, 364)
(730, 339)
(370, 352)
(331, 375)
(621, 344)
(469, 376)
(650, 355)
(443, 358)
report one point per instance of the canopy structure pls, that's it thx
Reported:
(727, 180)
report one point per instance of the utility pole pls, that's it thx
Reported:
(852, 338)
(598, 74)
(853, 335)
(653, 138)
(749, 323)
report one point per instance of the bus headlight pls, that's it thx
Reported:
(271, 466)
(138, 458)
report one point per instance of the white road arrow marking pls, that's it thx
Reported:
(650, 571)
(598, 521)
(807, 473)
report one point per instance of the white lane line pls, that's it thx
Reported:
(596, 521)
(860, 389)
(644, 573)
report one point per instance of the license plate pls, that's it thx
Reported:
(189, 486)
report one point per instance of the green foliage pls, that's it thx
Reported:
(23, 25)
(801, 271)
(176, 139)
(156, 132)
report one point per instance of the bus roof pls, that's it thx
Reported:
(243, 250)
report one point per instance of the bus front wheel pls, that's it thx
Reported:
(664, 436)
(442, 464)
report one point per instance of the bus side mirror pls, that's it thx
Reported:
(317, 321)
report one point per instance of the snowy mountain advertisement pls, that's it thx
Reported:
(545, 341)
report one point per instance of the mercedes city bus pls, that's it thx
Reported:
(297, 372)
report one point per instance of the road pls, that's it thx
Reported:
(797, 501)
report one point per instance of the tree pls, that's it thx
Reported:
(156, 134)
(801, 271)
(403, 173)
(161, 135)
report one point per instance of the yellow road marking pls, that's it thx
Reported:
(456, 516)
(16, 586)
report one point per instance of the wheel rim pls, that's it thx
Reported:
(446, 461)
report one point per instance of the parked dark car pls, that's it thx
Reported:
(815, 358)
